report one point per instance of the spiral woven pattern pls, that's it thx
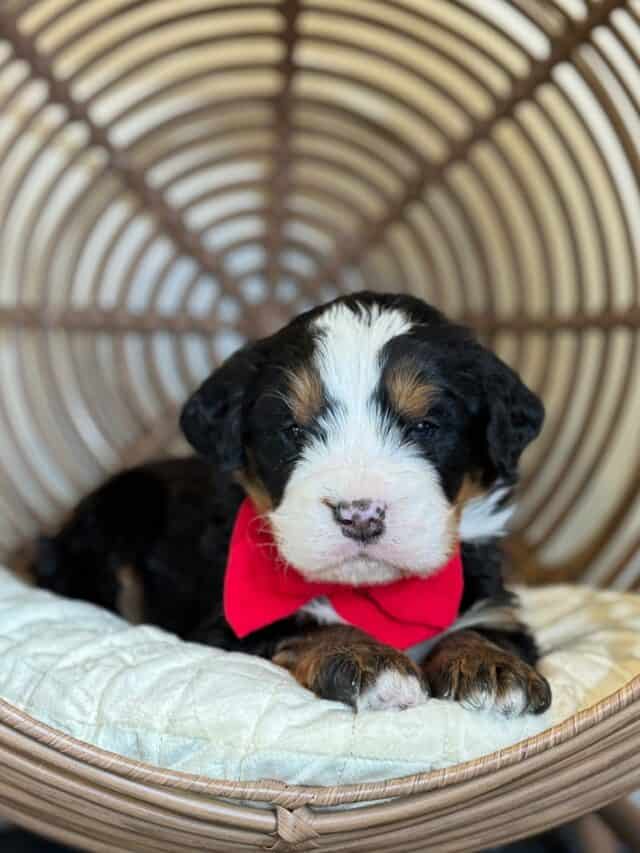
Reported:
(178, 176)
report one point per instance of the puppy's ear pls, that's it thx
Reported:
(212, 418)
(514, 418)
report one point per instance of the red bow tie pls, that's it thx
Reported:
(259, 588)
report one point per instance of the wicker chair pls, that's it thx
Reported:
(175, 177)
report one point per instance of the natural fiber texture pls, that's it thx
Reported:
(177, 176)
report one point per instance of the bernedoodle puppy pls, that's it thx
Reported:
(342, 517)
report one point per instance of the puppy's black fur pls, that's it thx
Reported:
(171, 521)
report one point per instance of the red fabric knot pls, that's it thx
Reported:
(260, 588)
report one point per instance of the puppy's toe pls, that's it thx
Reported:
(519, 690)
(496, 689)
(538, 693)
(392, 690)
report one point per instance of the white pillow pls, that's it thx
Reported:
(145, 694)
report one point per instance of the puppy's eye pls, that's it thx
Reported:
(424, 429)
(294, 433)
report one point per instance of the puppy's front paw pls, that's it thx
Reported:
(360, 672)
(480, 675)
(370, 677)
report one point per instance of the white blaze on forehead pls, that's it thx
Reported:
(348, 350)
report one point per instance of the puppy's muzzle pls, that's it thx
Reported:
(362, 520)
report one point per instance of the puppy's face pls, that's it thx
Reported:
(361, 430)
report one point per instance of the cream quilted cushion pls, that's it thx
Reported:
(147, 695)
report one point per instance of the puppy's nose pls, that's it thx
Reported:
(362, 520)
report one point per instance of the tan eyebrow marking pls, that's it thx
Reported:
(305, 394)
(410, 395)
